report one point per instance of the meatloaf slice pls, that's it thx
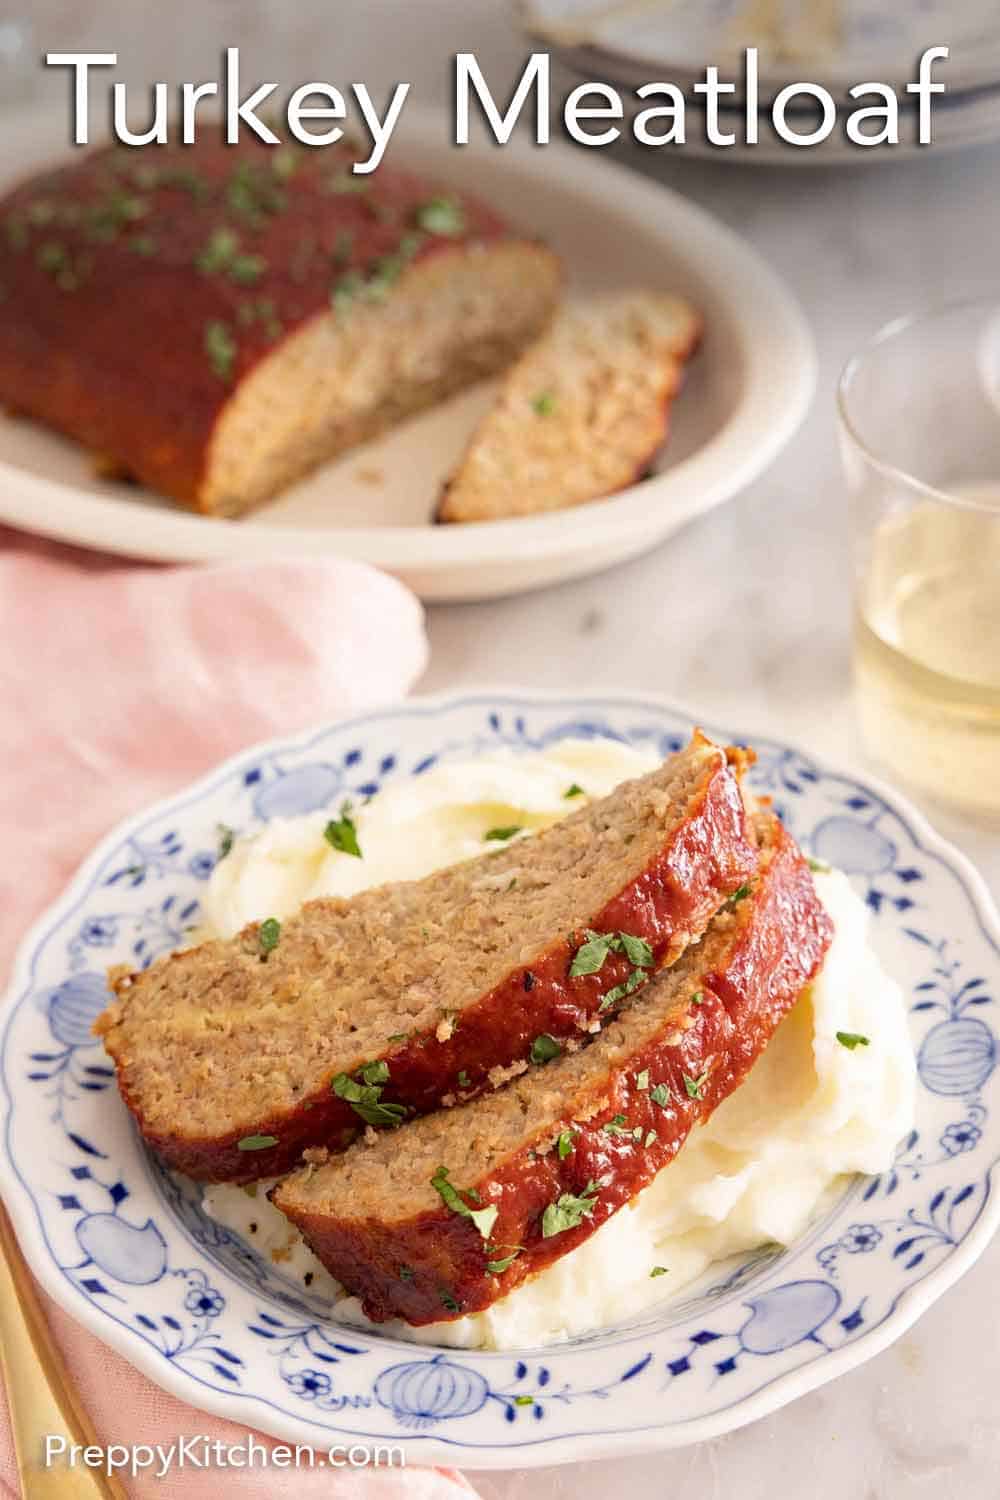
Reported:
(581, 413)
(235, 1055)
(470, 1202)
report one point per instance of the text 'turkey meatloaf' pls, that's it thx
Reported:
(233, 1056)
(217, 320)
(472, 1201)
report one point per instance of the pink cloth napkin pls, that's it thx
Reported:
(119, 683)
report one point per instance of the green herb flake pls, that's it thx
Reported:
(589, 957)
(448, 1302)
(501, 835)
(694, 1086)
(366, 1098)
(257, 1143)
(637, 950)
(565, 1144)
(269, 934)
(741, 894)
(497, 1267)
(375, 1072)
(635, 981)
(544, 1048)
(660, 1095)
(220, 346)
(464, 1081)
(819, 868)
(544, 404)
(398, 1036)
(226, 838)
(573, 791)
(444, 216)
(616, 1126)
(568, 1211)
(642, 1080)
(698, 998)
(342, 834)
(524, 1400)
(852, 1039)
(483, 1218)
(406, 1273)
(658, 1271)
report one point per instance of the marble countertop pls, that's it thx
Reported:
(744, 616)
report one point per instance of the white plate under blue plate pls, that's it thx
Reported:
(128, 1252)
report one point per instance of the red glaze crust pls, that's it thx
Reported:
(778, 950)
(108, 298)
(710, 856)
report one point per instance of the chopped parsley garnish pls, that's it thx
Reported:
(464, 1081)
(398, 1036)
(589, 957)
(642, 1079)
(406, 1273)
(544, 404)
(544, 1048)
(568, 1211)
(341, 833)
(852, 1039)
(441, 216)
(483, 1218)
(616, 1126)
(819, 868)
(635, 980)
(658, 1271)
(257, 1142)
(226, 837)
(574, 791)
(365, 1097)
(220, 346)
(698, 998)
(565, 1144)
(660, 1095)
(448, 1301)
(497, 1267)
(694, 1086)
(269, 934)
(501, 835)
(740, 894)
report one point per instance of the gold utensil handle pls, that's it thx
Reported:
(40, 1394)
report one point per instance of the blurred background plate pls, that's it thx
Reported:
(833, 43)
(746, 394)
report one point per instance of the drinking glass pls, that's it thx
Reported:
(919, 416)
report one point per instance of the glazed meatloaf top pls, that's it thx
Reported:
(235, 1055)
(469, 1202)
(169, 273)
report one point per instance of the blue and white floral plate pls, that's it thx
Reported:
(128, 1252)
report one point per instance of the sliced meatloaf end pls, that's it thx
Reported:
(470, 1202)
(582, 412)
(417, 993)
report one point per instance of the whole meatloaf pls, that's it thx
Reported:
(233, 1056)
(215, 320)
(468, 1203)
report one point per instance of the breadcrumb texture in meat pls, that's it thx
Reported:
(581, 414)
(227, 1040)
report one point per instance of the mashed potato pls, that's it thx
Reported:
(811, 1110)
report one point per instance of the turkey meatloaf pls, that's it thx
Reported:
(234, 1056)
(216, 320)
(468, 1203)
